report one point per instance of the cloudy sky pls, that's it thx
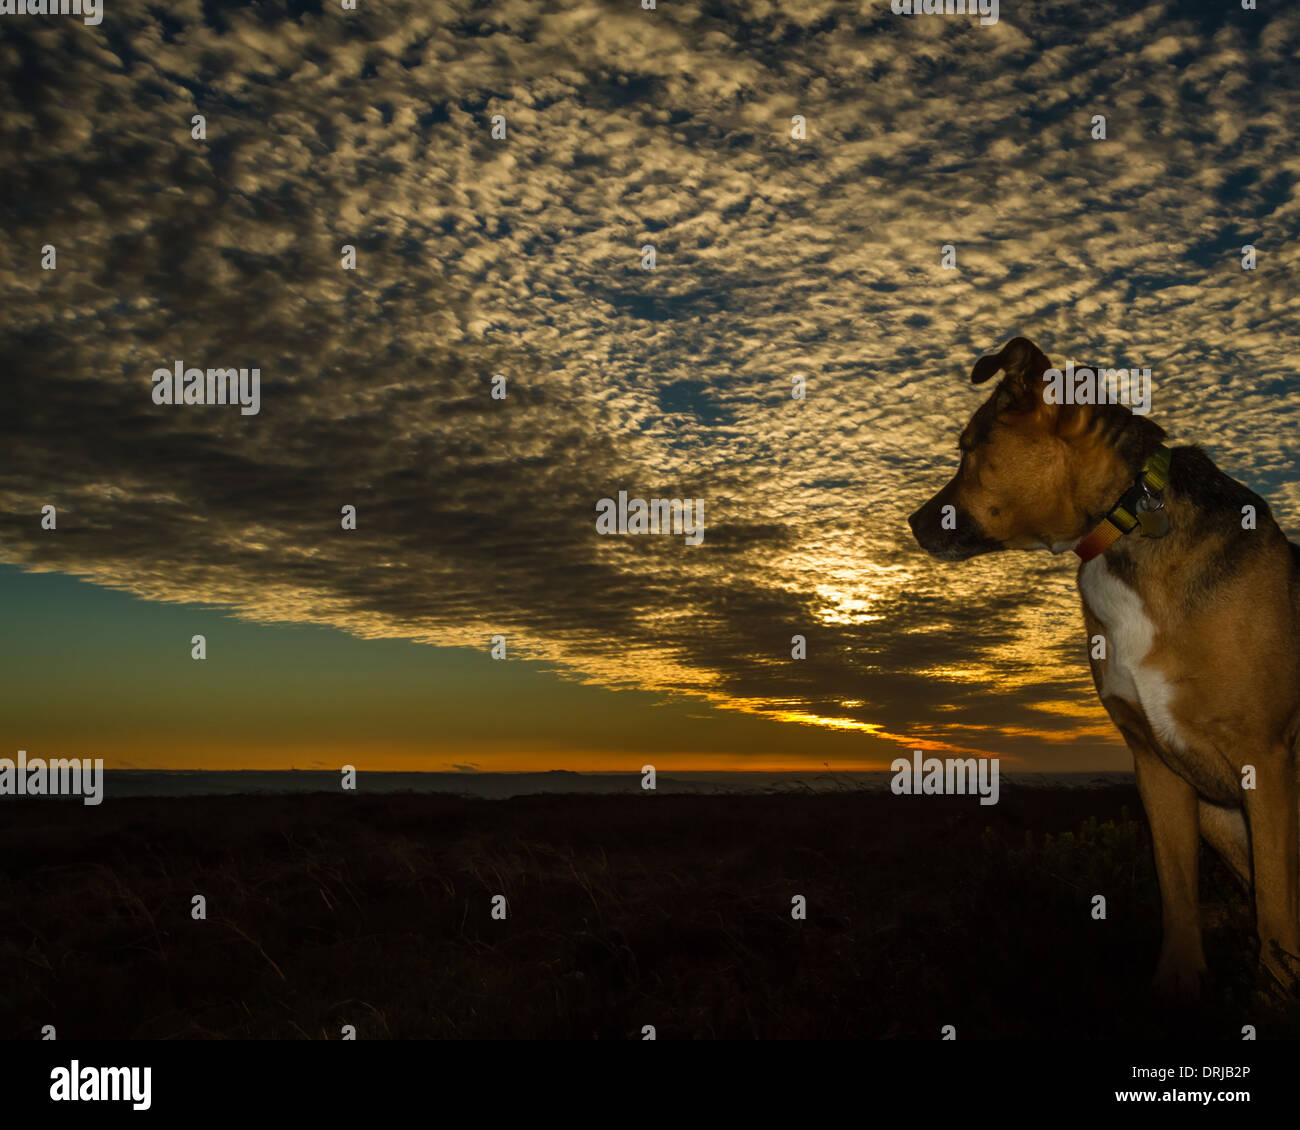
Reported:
(776, 257)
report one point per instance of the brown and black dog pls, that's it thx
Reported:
(1200, 618)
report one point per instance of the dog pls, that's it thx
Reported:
(1194, 592)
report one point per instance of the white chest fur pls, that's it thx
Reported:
(1129, 636)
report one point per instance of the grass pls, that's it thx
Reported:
(624, 911)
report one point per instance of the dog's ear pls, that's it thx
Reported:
(1021, 359)
(985, 367)
(1024, 364)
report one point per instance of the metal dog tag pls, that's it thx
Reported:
(1154, 523)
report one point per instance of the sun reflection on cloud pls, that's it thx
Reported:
(847, 607)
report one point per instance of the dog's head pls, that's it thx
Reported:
(1033, 475)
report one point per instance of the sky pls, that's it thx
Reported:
(521, 256)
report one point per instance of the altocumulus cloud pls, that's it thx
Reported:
(776, 257)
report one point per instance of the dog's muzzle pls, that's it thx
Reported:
(964, 540)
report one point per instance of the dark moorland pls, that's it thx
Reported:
(675, 911)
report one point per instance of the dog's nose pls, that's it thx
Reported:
(922, 524)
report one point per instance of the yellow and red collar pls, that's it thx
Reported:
(1142, 498)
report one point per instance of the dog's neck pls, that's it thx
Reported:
(1139, 511)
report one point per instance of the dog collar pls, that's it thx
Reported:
(1139, 506)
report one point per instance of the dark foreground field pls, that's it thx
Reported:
(673, 911)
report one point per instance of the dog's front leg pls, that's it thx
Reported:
(1275, 849)
(1171, 807)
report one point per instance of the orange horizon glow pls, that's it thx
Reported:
(578, 762)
